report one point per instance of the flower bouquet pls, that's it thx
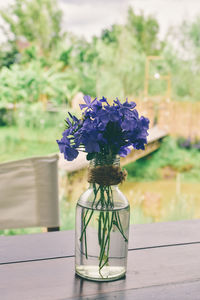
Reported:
(105, 132)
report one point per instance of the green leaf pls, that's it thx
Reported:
(90, 156)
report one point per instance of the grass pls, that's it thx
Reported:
(18, 143)
(166, 162)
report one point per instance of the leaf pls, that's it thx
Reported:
(90, 156)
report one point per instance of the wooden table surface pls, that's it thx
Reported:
(163, 264)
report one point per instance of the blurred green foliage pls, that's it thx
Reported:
(36, 21)
(171, 156)
(32, 82)
(39, 62)
(22, 142)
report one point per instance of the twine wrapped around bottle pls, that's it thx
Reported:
(106, 175)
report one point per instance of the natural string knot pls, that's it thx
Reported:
(106, 175)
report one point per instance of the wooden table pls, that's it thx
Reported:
(163, 263)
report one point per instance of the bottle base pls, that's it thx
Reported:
(108, 273)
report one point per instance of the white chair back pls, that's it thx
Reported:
(29, 193)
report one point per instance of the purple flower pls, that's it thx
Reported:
(104, 100)
(112, 113)
(87, 100)
(124, 151)
(94, 105)
(144, 123)
(126, 105)
(104, 128)
(129, 124)
(70, 153)
(91, 144)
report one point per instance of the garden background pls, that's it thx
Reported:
(45, 70)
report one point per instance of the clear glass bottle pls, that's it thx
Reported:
(102, 229)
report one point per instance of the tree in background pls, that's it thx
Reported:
(182, 54)
(145, 29)
(35, 55)
(121, 53)
(33, 21)
(190, 38)
(112, 64)
(122, 70)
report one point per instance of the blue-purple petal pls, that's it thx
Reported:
(104, 128)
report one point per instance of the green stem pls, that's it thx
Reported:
(99, 228)
(120, 225)
(105, 223)
(86, 224)
(85, 238)
(103, 238)
(103, 247)
(117, 222)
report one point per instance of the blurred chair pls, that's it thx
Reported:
(29, 193)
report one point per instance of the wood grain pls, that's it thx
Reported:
(36, 246)
(55, 279)
(180, 291)
(61, 244)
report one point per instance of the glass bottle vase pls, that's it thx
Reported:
(102, 228)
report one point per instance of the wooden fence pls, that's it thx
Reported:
(177, 118)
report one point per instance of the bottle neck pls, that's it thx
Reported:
(105, 160)
(98, 186)
(106, 171)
